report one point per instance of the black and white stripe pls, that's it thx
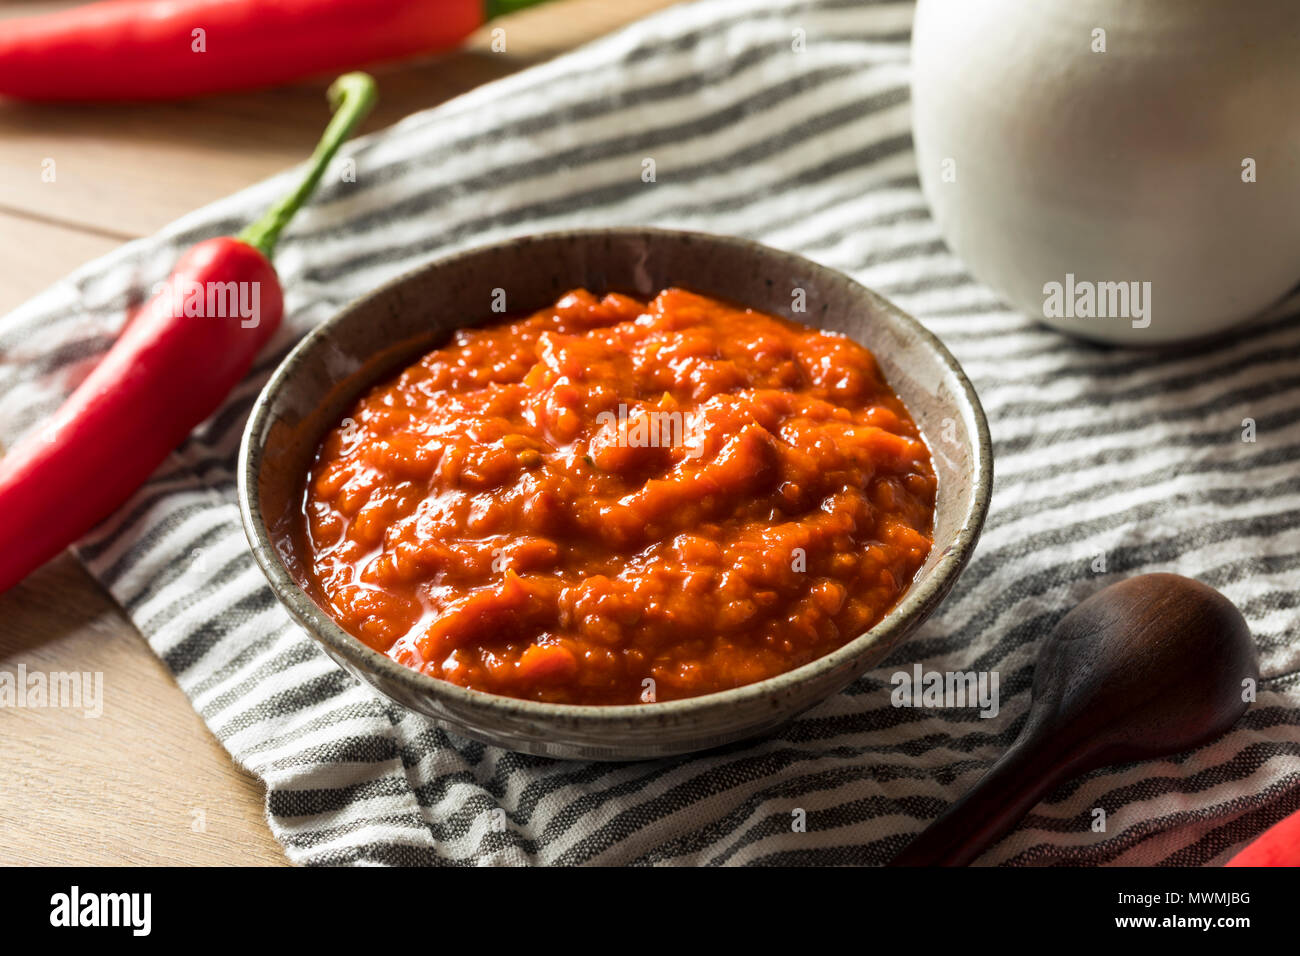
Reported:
(1134, 455)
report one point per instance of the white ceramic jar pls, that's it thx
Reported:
(1094, 144)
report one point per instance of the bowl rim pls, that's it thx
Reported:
(917, 601)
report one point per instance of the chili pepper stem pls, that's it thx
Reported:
(351, 96)
(498, 8)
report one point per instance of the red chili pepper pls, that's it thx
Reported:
(1279, 845)
(164, 49)
(171, 367)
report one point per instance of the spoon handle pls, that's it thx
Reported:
(997, 802)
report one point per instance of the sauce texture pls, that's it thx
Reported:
(614, 501)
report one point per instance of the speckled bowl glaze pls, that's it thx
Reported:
(382, 332)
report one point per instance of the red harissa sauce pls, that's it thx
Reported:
(614, 501)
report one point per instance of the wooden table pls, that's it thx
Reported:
(146, 783)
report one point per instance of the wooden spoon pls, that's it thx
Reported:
(1144, 668)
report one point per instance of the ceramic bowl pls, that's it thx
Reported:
(387, 329)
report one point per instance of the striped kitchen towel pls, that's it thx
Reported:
(786, 122)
